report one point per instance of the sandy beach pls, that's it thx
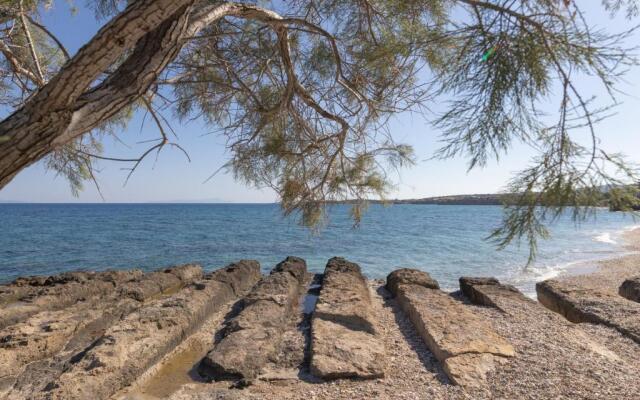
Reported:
(612, 272)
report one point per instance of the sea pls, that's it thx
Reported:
(448, 241)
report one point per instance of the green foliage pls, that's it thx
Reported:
(304, 99)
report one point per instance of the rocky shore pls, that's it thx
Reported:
(180, 333)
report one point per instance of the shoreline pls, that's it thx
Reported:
(125, 335)
(607, 274)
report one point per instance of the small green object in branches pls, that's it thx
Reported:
(4, 139)
(489, 53)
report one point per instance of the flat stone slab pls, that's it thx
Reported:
(344, 297)
(490, 292)
(410, 276)
(588, 305)
(48, 332)
(134, 344)
(630, 289)
(464, 343)
(28, 347)
(164, 282)
(340, 352)
(344, 340)
(254, 335)
(28, 296)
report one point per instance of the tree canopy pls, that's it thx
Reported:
(303, 91)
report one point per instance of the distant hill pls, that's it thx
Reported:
(463, 199)
(459, 200)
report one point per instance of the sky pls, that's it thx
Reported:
(173, 179)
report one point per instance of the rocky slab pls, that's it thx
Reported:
(588, 305)
(163, 282)
(410, 276)
(130, 346)
(490, 292)
(39, 348)
(28, 296)
(254, 335)
(344, 342)
(630, 289)
(465, 344)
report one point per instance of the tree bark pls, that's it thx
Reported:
(69, 106)
(61, 110)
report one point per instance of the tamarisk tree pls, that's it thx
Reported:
(303, 91)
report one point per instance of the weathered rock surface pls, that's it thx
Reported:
(410, 277)
(344, 343)
(339, 352)
(490, 292)
(344, 297)
(465, 344)
(49, 332)
(28, 296)
(158, 283)
(588, 305)
(39, 347)
(187, 273)
(43, 339)
(630, 289)
(254, 336)
(138, 341)
(296, 266)
(470, 370)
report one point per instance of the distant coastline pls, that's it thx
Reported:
(463, 199)
(457, 200)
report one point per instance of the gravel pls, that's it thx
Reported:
(555, 359)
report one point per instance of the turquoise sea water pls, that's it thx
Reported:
(446, 241)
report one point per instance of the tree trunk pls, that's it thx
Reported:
(66, 106)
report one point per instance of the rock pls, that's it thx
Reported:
(240, 276)
(447, 326)
(165, 282)
(37, 350)
(35, 294)
(261, 313)
(490, 292)
(131, 346)
(467, 283)
(470, 370)
(410, 276)
(151, 285)
(281, 288)
(630, 289)
(340, 352)
(119, 276)
(254, 335)
(464, 343)
(294, 265)
(344, 297)
(187, 273)
(588, 305)
(242, 354)
(344, 343)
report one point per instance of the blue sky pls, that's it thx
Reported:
(172, 178)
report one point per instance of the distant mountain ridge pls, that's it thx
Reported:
(462, 199)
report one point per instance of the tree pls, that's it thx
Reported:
(303, 91)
